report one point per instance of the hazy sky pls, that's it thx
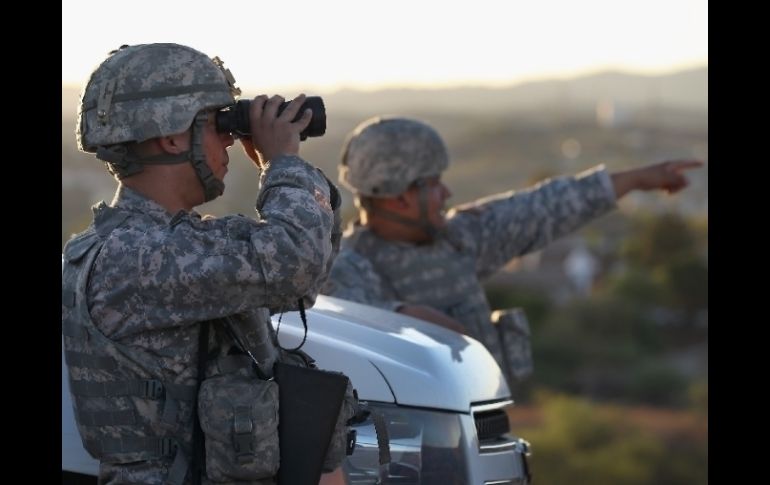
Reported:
(328, 44)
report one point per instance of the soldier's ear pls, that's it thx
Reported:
(175, 144)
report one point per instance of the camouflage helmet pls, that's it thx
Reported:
(384, 155)
(147, 91)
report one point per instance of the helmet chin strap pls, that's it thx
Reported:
(122, 163)
(212, 186)
(431, 230)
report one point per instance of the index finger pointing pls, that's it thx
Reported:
(679, 165)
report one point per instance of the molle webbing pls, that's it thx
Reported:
(101, 407)
(159, 447)
(78, 359)
(107, 418)
(144, 388)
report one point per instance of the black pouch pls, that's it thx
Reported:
(311, 400)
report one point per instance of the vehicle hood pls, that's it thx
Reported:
(420, 363)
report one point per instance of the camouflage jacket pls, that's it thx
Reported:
(157, 275)
(478, 239)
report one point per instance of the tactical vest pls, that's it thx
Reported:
(439, 275)
(123, 412)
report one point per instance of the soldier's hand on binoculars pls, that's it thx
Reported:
(276, 135)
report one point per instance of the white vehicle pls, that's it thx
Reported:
(442, 395)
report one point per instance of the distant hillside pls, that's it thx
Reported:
(685, 90)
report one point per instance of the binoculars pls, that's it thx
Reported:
(235, 118)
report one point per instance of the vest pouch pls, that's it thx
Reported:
(239, 418)
(513, 329)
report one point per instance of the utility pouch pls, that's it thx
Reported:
(239, 417)
(513, 330)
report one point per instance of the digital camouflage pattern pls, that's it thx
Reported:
(189, 269)
(239, 416)
(384, 155)
(147, 91)
(157, 276)
(479, 238)
(513, 331)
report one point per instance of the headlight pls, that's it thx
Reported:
(425, 448)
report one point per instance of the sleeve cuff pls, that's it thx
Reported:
(601, 174)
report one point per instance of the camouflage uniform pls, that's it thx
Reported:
(137, 283)
(478, 239)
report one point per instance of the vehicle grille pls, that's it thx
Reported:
(491, 424)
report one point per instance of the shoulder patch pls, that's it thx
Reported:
(322, 200)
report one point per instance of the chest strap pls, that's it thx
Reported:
(144, 388)
(157, 447)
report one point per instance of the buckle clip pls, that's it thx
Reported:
(351, 442)
(153, 389)
(243, 439)
(168, 446)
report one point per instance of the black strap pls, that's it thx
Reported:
(157, 447)
(79, 359)
(304, 324)
(107, 418)
(198, 448)
(364, 413)
(161, 93)
(383, 442)
(146, 388)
